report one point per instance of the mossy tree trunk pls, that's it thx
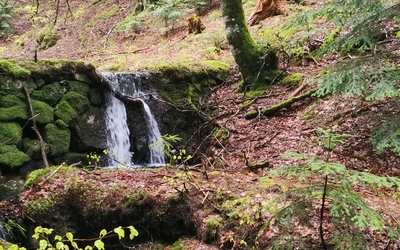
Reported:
(247, 54)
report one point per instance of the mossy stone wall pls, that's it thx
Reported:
(59, 93)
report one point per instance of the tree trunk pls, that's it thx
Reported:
(264, 9)
(247, 54)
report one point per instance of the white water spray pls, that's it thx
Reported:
(118, 142)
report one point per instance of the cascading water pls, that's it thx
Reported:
(118, 133)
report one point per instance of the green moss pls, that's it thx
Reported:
(138, 195)
(292, 79)
(11, 101)
(178, 245)
(13, 113)
(65, 112)
(266, 182)
(10, 156)
(40, 207)
(13, 68)
(222, 134)
(10, 133)
(32, 148)
(45, 113)
(77, 101)
(58, 139)
(108, 13)
(61, 124)
(310, 113)
(213, 223)
(47, 37)
(78, 87)
(40, 175)
(50, 94)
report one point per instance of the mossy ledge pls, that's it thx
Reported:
(185, 83)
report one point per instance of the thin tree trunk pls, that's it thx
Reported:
(245, 51)
(32, 113)
(264, 9)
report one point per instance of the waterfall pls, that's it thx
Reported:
(118, 140)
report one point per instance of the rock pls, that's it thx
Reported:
(11, 157)
(89, 133)
(57, 138)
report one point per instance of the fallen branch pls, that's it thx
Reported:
(275, 108)
(56, 170)
(33, 115)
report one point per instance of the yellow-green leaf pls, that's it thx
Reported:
(70, 236)
(38, 229)
(42, 244)
(88, 248)
(57, 238)
(103, 233)
(60, 245)
(48, 231)
(133, 233)
(13, 247)
(74, 245)
(120, 232)
(99, 244)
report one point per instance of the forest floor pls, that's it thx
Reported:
(91, 38)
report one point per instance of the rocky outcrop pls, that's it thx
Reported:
(69, 99)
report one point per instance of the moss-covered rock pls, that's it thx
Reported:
(12, 67)
(50, 93)
(58, 139)
(45, 113)
(11, 100)
(31, 148)
(77, 101)
(78, 87)
(10, 133)
(65, 112)
(13, 113)
(11, 157)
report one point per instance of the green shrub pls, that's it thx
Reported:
(6, 12)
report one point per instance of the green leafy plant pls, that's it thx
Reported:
(175, 156)
(6, 12)
(43, 236)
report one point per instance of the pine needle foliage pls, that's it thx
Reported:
(387, 135)
(366, 34)
(348, 212)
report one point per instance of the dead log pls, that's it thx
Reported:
(275, 108)
(264, 9)
(34, 127)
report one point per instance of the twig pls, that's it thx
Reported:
(51, 175)
(33, 115)
(321, 232)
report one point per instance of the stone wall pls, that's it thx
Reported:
(68, 100)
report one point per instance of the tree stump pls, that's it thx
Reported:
(264, 9)
(195, 25)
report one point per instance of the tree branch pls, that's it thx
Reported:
(275, 108)
(33, 115)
